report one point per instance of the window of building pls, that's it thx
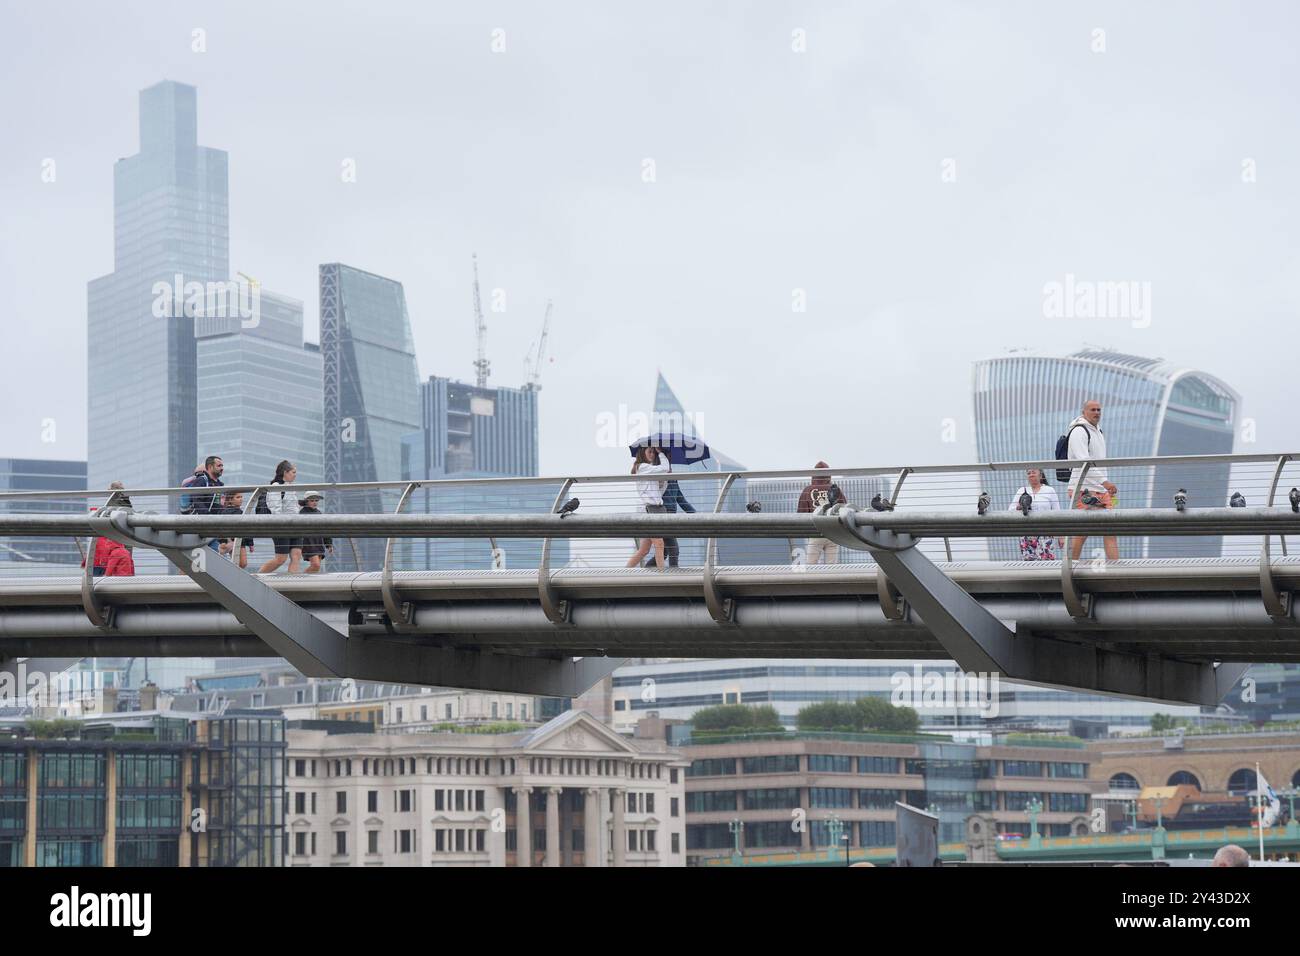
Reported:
(1022, 768)
(830, 763)
(711, 767)
(448, 707)
(836, 797)
(300, 844)
(672, 807)
(372, 841)
(341, 843)
(676, 843)
(404, 803)
(707, 801)
(300, 802)
(313, 804)
(785, 798)
(440, 841)
(772, 763)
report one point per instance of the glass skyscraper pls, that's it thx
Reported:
(170, 218)
(259, 394)
(473, 432)
(1149, 407)
(35, 554)
(371, 388)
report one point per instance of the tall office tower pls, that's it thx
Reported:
(260, 394)
(1149, 407)
(670, 416)
(371, 389)
(471, 432)
(170, 219)
(36, 554)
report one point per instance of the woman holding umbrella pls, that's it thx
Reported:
(650, 461)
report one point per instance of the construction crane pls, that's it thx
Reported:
(480, 331)
(535, 373)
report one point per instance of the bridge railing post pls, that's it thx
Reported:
(721, 609)
(892, 603)
(1079, 605)
(1277, 603)
(399, 612)
(555, 609)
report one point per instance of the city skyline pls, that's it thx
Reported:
(640, 270)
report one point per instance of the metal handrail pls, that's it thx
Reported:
(918, 524)
(702, 475)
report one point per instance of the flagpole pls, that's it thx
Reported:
(1259, 797)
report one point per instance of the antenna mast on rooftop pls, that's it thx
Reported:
(480, 332)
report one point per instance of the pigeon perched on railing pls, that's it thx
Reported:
(1091, 500)
(569, 507)
(878, 503)
(1295, 499)
(1026, 502)
(754, 507)
(1238, 500)
(1180, 499)
(982, 504)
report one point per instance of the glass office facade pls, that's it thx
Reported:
(1149, 407)
(170, 218)
(260, 395)
(239, 777)
(371, 388)
(472, 432)
(129, 778)
(40, 474)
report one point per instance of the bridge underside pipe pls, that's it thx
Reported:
(1189, 615)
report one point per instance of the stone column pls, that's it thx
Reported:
(593, 836)
(553, 845)
(29, 835)
(805, 838)
(187, 809)
(620, 826)
(110, 809)
(523, 827)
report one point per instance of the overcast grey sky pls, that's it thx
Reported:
(775, 170)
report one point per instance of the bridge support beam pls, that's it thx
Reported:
(318, 649)
(980, 642)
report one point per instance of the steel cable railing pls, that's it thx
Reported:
(923, 497)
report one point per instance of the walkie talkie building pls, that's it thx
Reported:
(1149, 407)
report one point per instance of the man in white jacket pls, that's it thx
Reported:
(1087, 443)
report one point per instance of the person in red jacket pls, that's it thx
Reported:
(120, 563)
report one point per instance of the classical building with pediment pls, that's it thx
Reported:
(571, 792)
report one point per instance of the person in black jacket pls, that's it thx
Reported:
(314, 547)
